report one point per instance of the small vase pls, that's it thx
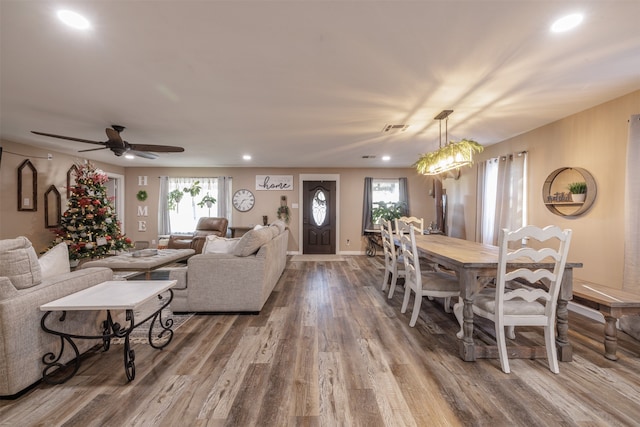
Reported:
(578, 198)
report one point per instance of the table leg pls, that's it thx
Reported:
(129, 353)
(52, 361)
(610, 337)
(563, 347)
(467, 287)
(162, 339)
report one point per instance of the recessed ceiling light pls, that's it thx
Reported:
(567, 23)
(74, 19)
(386, 158)
(246, 157)
(129, 156)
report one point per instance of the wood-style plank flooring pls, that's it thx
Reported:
(329, 349)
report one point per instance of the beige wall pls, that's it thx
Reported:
(596, 140)
(27, 223)
(267, 202)
(31, 224)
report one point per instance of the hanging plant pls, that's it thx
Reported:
(142, 195)
(174, 199)
(207, 200)
(283, 213)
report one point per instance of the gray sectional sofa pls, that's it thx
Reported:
(24, 287)
(238, 277)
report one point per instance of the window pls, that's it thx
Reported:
(184, 211)
(385, 190)
(503, 195)
(388, 190)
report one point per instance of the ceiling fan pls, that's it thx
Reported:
(119, 146)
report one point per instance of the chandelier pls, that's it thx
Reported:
(453, 155)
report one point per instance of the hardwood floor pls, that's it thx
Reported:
(330, 349)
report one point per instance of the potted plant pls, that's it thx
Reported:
(387, 211)
(207, 200)
(193, 191)
(283, 213)
(578, 191)
(174, 199)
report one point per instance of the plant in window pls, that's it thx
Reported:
(193, 191)
(387, 211)
(174, 199)
(207, 200)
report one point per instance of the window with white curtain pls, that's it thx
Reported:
(185, 215)
(386, 190)
(502, 195)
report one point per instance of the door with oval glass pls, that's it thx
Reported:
(319, 217)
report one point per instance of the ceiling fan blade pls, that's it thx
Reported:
(114, 136)
(157, 148)
(143, 154)
(68, 137)
(92, 149)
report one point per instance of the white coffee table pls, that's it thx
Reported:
(109, 296)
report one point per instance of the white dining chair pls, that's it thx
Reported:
(393, 265)
(526, 306)
(418, 223)
(435, 284)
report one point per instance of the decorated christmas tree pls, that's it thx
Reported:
(89, 226)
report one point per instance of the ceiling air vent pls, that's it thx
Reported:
(394, 128)
(369, 157)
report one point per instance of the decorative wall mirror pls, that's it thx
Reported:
(72, 173)
(27, 187)
(558, 197)
(52, 207)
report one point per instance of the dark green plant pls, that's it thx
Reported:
(387, 211)
(578, 188)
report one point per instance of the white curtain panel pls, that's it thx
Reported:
(632, 207)
(631, 278)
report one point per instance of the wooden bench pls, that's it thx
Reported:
(612, 303)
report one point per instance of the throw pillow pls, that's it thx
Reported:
(55, 261)
(251, 241)
(19, 262)
(219, 245)
(280, 224)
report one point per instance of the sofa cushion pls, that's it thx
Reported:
(19, 262)
(280, 224)
(55, 261)
(275, 231)
(219, 245)
(251, 241)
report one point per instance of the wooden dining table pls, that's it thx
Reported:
(473, 264)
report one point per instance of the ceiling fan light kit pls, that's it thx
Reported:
(453, 155)
(118, 146)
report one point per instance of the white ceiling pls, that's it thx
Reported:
(305, 83)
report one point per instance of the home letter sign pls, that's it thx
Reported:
(274, 182)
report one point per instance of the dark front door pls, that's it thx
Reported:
(319, 217)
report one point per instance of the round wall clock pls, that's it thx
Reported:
(243, 200)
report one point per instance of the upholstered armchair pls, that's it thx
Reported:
(206, 226)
